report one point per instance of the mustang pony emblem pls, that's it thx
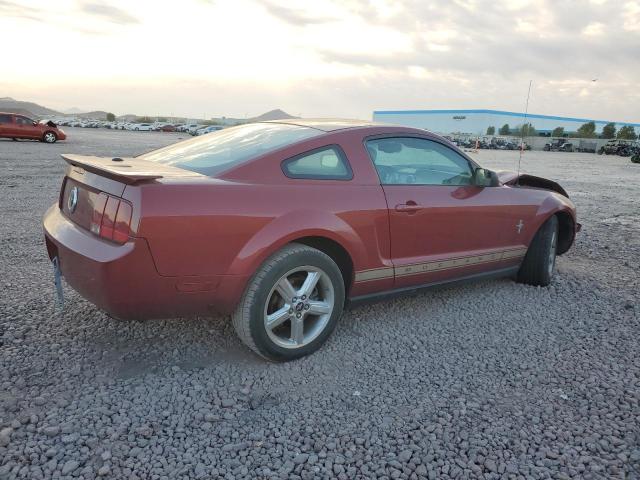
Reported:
(72, 201)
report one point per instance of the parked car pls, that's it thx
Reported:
(616, 147)
(281, 223)
(167, 128)
(194, 129)
(187, 127)
(18, 126)
(208, 129)
(143, 127)
(555, 145)
(566, 147)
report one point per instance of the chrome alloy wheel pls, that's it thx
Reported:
(551, 262)
(299, 307)
(49, 137)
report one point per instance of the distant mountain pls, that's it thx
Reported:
(276, 114)
(8, 104)
(129, 117)
(30, 109)
(95, 115)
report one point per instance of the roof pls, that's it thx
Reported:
(498, 112)
(327, 124)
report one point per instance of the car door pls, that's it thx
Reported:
(6, 125)
(442, 225)
(25, 127)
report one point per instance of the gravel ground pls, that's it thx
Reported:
(491, 380)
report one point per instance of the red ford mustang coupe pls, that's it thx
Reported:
(282, 223)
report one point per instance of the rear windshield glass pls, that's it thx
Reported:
(218, 151)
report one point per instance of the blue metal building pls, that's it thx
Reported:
(475, 122)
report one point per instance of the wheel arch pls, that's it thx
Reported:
(566, 231)
(338, 254)
(321, 230)
(561, 207)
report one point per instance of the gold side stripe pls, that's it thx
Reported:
(374, 274)
(437, 266)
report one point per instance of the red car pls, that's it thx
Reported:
(281, 223)
(18, 126)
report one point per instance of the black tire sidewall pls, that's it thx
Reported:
(536, 261)
(256, 312)
(551, 228)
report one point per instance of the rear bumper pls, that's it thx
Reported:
(123, 280)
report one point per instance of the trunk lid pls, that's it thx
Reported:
(91, 195)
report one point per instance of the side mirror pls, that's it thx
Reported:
(483, 177)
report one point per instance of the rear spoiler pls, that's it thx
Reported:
(126, 170)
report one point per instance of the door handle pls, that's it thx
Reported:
(409, 207)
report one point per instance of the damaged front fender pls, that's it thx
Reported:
(530, 181)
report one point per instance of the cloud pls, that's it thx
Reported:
(11, 9)
(341, 57)
(298, 17)
(562, 42)
(108, 12)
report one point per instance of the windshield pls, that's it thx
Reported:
(221, 150)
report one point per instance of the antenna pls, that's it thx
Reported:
(526, 112)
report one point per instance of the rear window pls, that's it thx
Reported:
(5, 118)
(218, 151)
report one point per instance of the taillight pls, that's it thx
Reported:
(112, 218)
(122, 226)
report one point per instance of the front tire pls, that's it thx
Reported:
(291, 305)
(49, 137)
(539, 263)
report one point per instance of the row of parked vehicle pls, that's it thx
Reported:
(624, 148)
(191, 128)
(489, 143)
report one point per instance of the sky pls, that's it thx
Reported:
(323, 58)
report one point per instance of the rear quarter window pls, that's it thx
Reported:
(5, 118)
(325, 163)
(223, 149)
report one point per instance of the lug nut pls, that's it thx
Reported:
(291, 310)
(306, 307)
(298, 315)
(303, 297)
(294, 299)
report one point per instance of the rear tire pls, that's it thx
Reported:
(291, 304)
(539, 263)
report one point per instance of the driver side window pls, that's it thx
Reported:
(23, 121)
(418, 161)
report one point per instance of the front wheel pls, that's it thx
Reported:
(49, 137)
(539, 264)
(291, 305)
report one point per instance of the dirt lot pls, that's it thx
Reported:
(491, 380)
